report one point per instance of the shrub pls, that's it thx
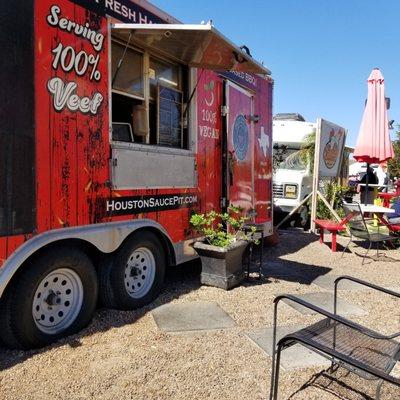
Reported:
(221, 229)
(334, 194)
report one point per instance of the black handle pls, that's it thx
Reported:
(231, 161)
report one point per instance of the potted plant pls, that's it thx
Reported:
(224, 240)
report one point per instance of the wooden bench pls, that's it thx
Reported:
(331, 226)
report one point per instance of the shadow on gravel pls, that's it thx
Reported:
(344, 385)
(292, 271)
(290, 242)
(178, 282)
(378, 251)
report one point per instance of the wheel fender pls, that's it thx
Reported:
(106, 237)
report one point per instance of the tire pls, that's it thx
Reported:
(133, 277)
(54, 297)
(279, 216)
(303, 218)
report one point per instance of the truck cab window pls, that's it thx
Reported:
(293, 159)
(148, 93)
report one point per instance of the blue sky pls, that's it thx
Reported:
(320, 52)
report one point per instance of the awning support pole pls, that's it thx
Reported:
(192, 94)
(121, 60)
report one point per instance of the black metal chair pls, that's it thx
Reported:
(369, 354)
(358, 229)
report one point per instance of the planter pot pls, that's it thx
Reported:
(272, 240)
(221, 267)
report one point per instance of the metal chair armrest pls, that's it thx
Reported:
(327, 314)
(318, 310)
(364, 283)
(394, 336)
(372, 286)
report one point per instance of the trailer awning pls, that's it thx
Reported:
(200, 46)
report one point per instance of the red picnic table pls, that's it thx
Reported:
(332, 227)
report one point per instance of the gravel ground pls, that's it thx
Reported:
(123, 355)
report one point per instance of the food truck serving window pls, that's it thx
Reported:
(152, 88)
(147, 97)
(150, 74)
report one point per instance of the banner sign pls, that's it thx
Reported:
(97, 6)
(144, 204)
(122, 10)
(244, 79)
(332, 139)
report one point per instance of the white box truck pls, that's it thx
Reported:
(292, 178)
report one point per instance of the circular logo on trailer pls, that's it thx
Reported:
(240, 137)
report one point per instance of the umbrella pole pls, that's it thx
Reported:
(366, 186)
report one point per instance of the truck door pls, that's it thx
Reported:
(240, 147)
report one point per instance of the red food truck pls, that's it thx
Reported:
(116, 123)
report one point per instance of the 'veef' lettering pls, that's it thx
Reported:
(64, 96)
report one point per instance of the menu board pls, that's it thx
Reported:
(169, 117)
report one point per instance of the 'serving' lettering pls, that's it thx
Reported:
(95, 38)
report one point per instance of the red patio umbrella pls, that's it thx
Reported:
(373, 143)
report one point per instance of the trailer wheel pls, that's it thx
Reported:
(54, 297)
(133, 277)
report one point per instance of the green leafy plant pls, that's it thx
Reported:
(334, 194)
(222, 229)
(307, 150)
(305, 155)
